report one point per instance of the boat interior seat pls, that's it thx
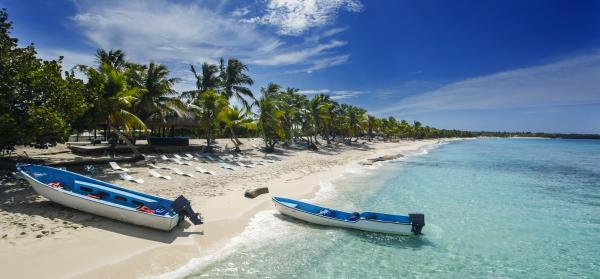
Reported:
(385, 217)
(116, 194)
(355, 216)
(292, 205)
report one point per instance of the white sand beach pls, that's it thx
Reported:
(42, 239)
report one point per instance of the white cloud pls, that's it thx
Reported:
(294, 17)
(71, 58)
(179, 34)
(314, 91)
(328, 33)
(240, 12)
(327, 62)
(572, 81)
(164, 30)
(335, 94)
(294, 57)
(345, 94)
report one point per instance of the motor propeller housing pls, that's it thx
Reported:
(418, 222)
(182, 206)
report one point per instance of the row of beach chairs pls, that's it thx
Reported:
(123, 173)
(229, 162)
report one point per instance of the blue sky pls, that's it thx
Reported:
(473, 65)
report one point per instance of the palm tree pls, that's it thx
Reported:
(269, 121)
(208, 79)
(271, 91)
(334, 120)
(417, 130)
(234, 79)
(390, 128)
(355, 121)
(404, 129)
(115, 101)
(209, 105)
(372, 124)
(290, 104)
(114, 58)
(159, 98)
(320, 107)
(234, 118)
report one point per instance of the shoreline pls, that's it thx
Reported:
(130, 251)
(337, 172)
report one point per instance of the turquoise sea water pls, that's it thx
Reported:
(495, 208)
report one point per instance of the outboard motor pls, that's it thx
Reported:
(182, 206)
(418, 222)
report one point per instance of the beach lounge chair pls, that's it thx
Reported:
(164, 157)
(210, 158)
(190, 157)
(158, 175)
(179, 172)
(227, 166)
(179, 162)
(157, 167)
(238, 155)
(129, 178)
(187, 163)
(116, 167)
(273, 158)
(200, 157)
(244, 165)
(181, 158)
(148, 157)
(199, 169)
(178, 159)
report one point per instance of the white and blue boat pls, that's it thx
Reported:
(101, 198)
(366, 221)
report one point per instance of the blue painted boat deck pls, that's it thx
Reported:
(83, 186)
(340, 215)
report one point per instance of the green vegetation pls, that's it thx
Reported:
(38, 102)
(41, 105)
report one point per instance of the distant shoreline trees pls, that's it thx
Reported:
(40, 105)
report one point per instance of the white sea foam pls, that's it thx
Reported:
(264, 227)
(326, 191)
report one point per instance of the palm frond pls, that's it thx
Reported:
(126, 120)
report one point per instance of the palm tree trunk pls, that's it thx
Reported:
(136, 153)
(235, 136)
(235, 140)
(208, 128)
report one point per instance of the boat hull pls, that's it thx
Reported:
(101, 208)
(362, 224)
